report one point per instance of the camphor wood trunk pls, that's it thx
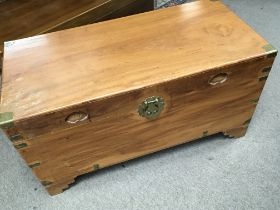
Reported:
(83, 99)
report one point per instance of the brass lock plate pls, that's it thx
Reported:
(151, 107)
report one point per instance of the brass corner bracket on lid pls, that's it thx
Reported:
(6, 120)
(271, 50)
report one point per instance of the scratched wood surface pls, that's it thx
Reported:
(107, 69)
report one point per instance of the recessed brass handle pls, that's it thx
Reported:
(76, 117)
(151, 107)
(218, 79)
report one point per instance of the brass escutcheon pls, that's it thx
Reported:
(151, 107)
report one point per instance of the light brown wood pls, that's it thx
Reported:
(211, 78)
(117, 133)
(236, 132)
(121, 55)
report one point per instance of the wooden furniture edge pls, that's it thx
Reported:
(123, 92)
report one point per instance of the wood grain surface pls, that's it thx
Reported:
(53, 71)
(21, 18)
(117, 133)
(211, 78)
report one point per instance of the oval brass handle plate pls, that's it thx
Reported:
(218, 79)
(76, 117)
(151, 107)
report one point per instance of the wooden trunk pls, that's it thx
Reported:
(86, 98)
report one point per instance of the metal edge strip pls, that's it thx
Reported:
(6, 120)
(272, 51)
